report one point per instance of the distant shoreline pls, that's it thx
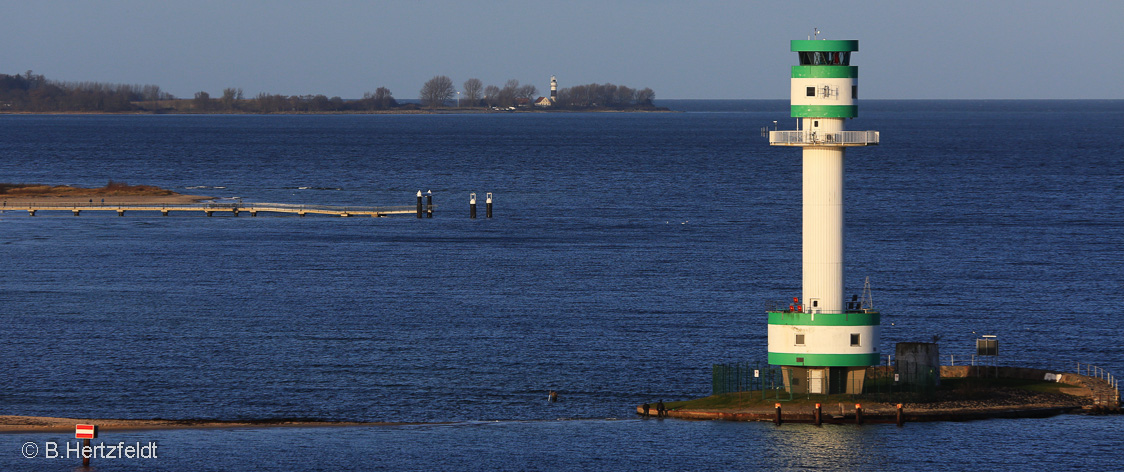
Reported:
(436, 111)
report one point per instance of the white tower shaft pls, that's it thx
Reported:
(823, 230)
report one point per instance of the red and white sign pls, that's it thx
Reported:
(85, 431)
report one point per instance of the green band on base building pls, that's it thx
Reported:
(824, 360)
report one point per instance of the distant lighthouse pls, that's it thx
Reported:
(822, 342)
(553, 89)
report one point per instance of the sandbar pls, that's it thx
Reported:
(20, 201)
(45, 424)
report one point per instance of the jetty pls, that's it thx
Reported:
(210, 209)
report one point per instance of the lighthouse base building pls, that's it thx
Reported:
(824, 352)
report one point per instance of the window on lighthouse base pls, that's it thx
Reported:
(854, 339)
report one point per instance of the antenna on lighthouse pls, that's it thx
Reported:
(868, 300)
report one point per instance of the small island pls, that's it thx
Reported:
(964, 393)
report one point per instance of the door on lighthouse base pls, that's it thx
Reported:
(815, 381)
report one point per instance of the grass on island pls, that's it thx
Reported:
(971, 388)
(111, 189)
(977, 386)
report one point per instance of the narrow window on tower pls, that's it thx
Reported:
(811, 91)
(854, 339)
(854, 91)
(799, 339)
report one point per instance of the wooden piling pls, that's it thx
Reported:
(817, 414)
(488, 202)
(777, 419)
(900, 417)
(428, 204)
(472, 205)
(86, 452)
(858, 413)
(419, 204)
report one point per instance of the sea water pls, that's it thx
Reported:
(627, 254)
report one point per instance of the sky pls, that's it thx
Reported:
(998, 49)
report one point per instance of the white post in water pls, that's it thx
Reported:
(821, 337)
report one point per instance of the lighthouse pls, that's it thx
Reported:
(553, 90)
(823, 342)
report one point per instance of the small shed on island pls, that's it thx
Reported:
(918, 364)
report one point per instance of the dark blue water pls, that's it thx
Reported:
(628, 253)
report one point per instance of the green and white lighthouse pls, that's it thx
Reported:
(823, 342)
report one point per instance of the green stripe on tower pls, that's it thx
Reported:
(823, 45)
(825, 319)
(824, 111)
(825, 72)
(824, 360)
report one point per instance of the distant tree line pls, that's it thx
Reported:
(232, 101)
(439, 92)
(605, 95)
(31, 92)
(34, 93)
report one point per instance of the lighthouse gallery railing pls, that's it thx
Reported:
(853, 138)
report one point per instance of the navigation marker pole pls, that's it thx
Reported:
(86, 432)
